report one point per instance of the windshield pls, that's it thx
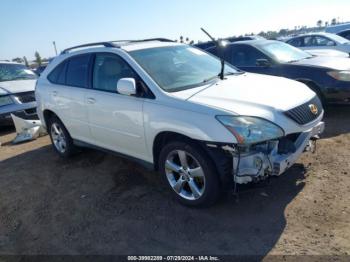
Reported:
(10, 72)
(176, 68)
(338, 39)
(283, 52)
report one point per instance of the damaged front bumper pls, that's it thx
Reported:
(272, 158)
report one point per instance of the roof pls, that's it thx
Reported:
(254, 42)
(145, 45)
(331, 36)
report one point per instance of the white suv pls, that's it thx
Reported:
(163, 103)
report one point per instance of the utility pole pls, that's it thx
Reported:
(54, 45)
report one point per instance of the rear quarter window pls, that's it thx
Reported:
(58, 74)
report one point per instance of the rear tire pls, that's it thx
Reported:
(190, 174)
(61, 141)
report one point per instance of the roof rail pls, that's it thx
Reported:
(105, 44)
(143, 40)
(110, 43)
(153, 39)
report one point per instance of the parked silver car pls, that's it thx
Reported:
(17, 85)
(320, 41)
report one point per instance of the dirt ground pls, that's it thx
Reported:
(97, 203)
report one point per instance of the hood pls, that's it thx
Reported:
(17, 86)
(337, 63)
(250, 94)
(327, 52)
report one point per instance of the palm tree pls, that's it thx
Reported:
(181, 39)
(334, 21)
(319, 23)
(38, 59)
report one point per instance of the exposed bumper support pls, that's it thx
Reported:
(259, 164)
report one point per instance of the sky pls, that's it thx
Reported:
(32, 25)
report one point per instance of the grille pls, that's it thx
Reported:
(26, 97)
(302, 114)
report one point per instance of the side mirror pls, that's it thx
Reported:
(263, 62)
(126, 86)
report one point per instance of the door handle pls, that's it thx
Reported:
(91, 100)
(54, 93)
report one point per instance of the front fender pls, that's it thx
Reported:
(198, 126)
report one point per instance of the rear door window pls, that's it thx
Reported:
(78, 71)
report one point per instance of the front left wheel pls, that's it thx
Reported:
(190, 174)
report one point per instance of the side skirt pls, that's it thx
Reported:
(147, 165)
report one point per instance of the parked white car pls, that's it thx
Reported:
(163, 103)
(17, 84)
(320, 41)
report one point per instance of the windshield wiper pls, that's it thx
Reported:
(217, 43)
(20, 77)
(210, 79)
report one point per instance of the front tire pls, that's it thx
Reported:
(190, 174)
(60, 138)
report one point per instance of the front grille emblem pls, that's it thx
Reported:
(313, 109)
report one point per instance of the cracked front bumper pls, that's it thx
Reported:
(269, 161)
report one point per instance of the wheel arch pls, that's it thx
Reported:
(313, 86)
(220, 159)
(48, 114)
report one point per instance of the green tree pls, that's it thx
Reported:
(25, 61)
(17, 60)
(38, 59)
(283, 32)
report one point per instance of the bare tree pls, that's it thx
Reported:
(25, 61)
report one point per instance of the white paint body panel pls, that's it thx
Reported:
(129, 124)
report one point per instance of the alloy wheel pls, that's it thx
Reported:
(185, 175)
(58, 138)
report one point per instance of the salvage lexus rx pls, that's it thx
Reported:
(204, 125)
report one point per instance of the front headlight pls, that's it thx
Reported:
(250, 130)
(340, 75)
(5, 100)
